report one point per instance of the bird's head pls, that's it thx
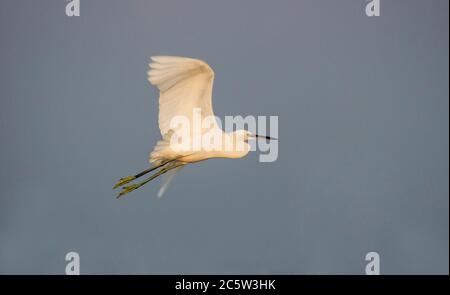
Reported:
(237, 143)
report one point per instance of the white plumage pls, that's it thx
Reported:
(184, 84)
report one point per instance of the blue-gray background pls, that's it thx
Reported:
(363, 127)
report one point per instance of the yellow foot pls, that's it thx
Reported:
(123, 181)
(128, 189)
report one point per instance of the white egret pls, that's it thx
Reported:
(184, 84)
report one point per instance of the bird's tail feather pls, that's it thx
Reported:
(162, 150)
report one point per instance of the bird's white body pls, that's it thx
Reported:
(231, 145)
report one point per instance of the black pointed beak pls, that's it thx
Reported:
(265, 137)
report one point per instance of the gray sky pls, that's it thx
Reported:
(363, 127)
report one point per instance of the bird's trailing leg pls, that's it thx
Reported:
(130, 178)
(132, 187)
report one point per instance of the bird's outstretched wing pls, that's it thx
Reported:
(184, 84)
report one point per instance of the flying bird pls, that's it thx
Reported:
(185, 85)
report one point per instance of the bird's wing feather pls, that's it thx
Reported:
(167, 178)
(184, 84)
